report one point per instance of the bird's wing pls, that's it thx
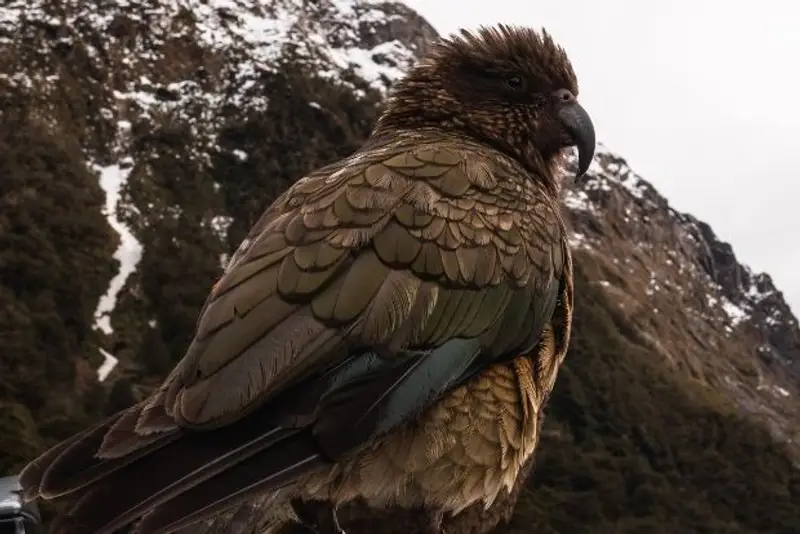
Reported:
(364, 295)
(411, 249)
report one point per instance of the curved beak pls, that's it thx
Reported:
(579, 126)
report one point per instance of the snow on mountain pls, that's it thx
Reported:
(129, 252)
(109, 362)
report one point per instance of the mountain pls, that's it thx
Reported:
(686, 295)
(140, 139)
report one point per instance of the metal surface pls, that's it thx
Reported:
(17, 517)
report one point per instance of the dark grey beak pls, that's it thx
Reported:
(579, 126)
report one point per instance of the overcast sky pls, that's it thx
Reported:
(701, 97)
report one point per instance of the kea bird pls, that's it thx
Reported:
(387, 333)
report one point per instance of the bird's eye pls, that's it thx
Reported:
(514, 82)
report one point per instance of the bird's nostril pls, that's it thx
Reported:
(564, 95)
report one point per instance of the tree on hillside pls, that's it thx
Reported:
(56, 260)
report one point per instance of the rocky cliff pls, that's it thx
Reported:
(139, 141)
(687, 296)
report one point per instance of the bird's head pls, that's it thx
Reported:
(510, 87)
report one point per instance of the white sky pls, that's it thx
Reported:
(701, 97)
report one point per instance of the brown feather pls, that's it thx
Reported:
(391, 307)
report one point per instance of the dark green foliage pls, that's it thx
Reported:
(55, 262)
(19, 438)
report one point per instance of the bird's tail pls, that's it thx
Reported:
(117, 475)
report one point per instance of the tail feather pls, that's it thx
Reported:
(128, 434)
(33, 474)
(69, 465)
(284, 462)
(164, 473)
(79, 465)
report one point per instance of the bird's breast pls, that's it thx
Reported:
(468, 447)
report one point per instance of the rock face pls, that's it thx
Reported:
(686, 294)
(140, 139)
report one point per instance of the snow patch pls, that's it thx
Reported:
(607, 168)
(379, 66)
(220, 225)
(129, 251)
(578, 240)
(735, 313)
(107, 366)
(578, 200)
